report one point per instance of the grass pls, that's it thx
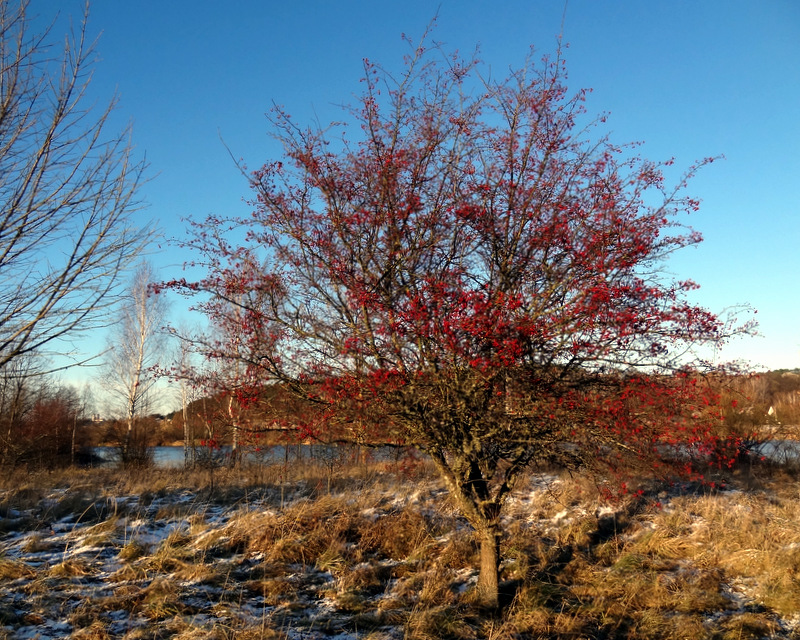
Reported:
(380, 559)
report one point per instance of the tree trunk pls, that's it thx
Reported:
(72, 440)
(126, 445)
(235, 446)
(489, 577)
(188, 439)
(234, 418)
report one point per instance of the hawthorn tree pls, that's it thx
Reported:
(476, 271)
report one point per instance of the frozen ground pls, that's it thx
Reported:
(363, 564)
(121, 568)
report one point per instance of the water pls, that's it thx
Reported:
(173, 457)
(776, 451)
(779, 451)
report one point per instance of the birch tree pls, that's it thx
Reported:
(135, 344)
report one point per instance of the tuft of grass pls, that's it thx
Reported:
(439, 623)
(332, 559)
(70, 568)
(748, 626)
(173, 554)
(178, 511)
(101, 534)
(37, 543)
(12, 569)
(95, 631)
(133, 550)
(161, 600)
(369, 578)
(275, 591)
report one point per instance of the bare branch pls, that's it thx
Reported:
(67, 191)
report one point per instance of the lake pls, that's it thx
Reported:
(777, 451)
(173, 456)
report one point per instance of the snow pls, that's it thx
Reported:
(38, 604)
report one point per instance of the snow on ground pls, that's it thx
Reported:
(83, 571)
(125, 565)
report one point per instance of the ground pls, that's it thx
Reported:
(381, 554)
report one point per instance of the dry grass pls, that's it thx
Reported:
(248, 562)
(12, 569)
(753, 538)
(709, 565)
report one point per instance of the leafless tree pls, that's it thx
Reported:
(67, 190)
(134, 345)
(184, 374)
(40, 418)
(15, 400)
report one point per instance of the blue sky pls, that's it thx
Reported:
(688, 78)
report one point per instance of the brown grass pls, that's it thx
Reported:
(719, 565)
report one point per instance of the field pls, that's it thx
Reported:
(380, 553)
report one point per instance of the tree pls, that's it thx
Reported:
(16, 394)
(135, 344)
(51, 425)
(41, 421)
(67, 191)
(182, 373)
(478, 275)
(230, 373)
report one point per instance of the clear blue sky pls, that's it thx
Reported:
(690, 79)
